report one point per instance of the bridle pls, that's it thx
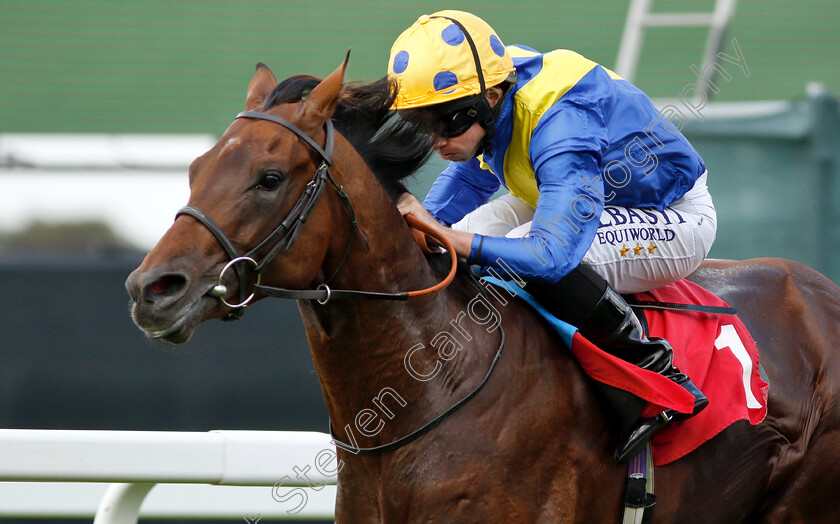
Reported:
(284, 236)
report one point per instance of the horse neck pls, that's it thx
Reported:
(384, 256)
(359, 346)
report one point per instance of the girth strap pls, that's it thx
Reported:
(696, 308)
(639, 497)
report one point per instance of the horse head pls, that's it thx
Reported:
(257, 174)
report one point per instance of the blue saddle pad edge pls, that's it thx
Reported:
(564, 329)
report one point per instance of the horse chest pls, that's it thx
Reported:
(452, 483)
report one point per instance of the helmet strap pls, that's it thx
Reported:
(486, 117)
(487, 120)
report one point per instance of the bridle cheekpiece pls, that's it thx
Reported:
(284, 236)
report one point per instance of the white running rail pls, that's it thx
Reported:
(181, 462)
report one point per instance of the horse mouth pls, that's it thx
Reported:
(176, 327)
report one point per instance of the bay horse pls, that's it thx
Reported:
(533, 445)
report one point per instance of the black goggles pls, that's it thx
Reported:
(457, 122)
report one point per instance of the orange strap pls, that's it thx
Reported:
(420, 230)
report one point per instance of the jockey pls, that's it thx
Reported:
(605, 195)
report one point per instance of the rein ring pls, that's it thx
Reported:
(327, 298)
(220, 289)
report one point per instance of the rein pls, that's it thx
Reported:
(417, 433)
(284, 236)
(323, 293)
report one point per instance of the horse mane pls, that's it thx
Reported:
(393, 148)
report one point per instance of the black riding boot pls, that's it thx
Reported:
(584, 299)
(613, 327)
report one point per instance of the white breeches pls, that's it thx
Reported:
(634, 249)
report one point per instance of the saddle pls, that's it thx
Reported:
(717, 352)
(714, 349)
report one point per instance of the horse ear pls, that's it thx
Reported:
(260, 86)
(322, 101)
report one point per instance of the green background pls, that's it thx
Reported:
(183, 66)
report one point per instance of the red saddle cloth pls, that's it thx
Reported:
(719, 355)
(715, 351)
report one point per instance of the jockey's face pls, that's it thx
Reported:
(456, 146)
(462, 147)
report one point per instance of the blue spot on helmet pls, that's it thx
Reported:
(497, 45)
(452, 35)
(400, 62)
(444, 79)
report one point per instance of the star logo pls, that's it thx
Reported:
(638, 249)
(623, 250)
(651, 248)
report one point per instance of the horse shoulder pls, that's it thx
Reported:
(535, 425)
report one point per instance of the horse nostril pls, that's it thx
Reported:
(166, 285)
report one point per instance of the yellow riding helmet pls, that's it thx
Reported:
(433, 62)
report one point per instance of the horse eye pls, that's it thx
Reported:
(270, 181)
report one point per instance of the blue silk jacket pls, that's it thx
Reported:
(571, 136)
